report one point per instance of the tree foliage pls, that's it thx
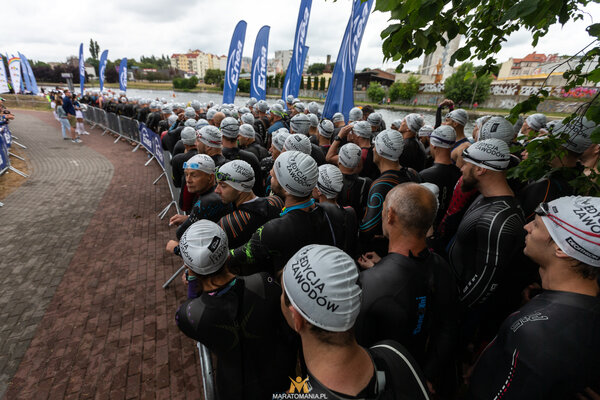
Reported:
(465, 85)
(213, 76)
(94, 49)
(183, 83)
(316, 69)
(375, 92)
(322, 83)
(244, 85)
(404, 90)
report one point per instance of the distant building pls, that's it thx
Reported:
(437, 64)
(403, 77)
(196, 62)
(284, 57)
(364, 78)
(529, 65)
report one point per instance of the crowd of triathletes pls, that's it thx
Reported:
(376, 262)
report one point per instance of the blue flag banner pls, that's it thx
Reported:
(291, 85)
(6, 135)
(146, 135)
(25, 74)
(81, 68)
(123, 75)
(4, 160)
(258, 84)
(34, 87)
(158, 150)
(102, 68)
(340, 94)
(234, 62)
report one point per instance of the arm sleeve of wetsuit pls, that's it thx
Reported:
(444, 330)
(252, 257)
(497, 238)
(438, 117)
(234, 224)
(383, 319)
(371, 222)
(187, 317)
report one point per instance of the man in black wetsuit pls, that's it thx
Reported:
(235, 181)
(413, 155)
(388, 148)
(247, 140)
(293, 177)
(355, 192)
(359, 133)
(562, 169)
(237, 318)
(410, 295)
(321, 300)
(188, 138)
(200, 182)
(325, 131)
(230, 129)
(443, 172)
(549, 349)
(300, 124)
(487, 247)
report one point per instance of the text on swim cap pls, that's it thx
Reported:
(307, 279)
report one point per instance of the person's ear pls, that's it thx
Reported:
(298, 320)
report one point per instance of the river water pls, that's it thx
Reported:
(240, 100)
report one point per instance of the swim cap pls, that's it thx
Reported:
(536, 121)
(300, 123)
(210, 136)
(492, 154)
(238, 174)
(297, 142)
(326, 128)
(459, 115)
(201, 123)
(313, 107)
(443, 136)
(296, 172)
(200, 162)
(425, 131)
(337, 117)
(189, 112)
(389, 144)
(204, 247)
(191, 122)
(314, 120)
(579, 131)
(355, 114)
(210, 114)
(279, 138)
(574, 224)
(362, 129)
(497, 128)
(247, 131)
(248, 118)
(230, 127)
(414, 122)
(349, 155)
(321, 283)
(374, 119)
(188, 136)
(330, 181)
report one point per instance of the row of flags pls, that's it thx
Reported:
(340, 95)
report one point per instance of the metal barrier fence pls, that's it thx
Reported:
(139, 133)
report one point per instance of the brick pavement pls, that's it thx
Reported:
(86, 244)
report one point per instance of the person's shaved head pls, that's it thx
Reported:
(218, 118)
(413, 206)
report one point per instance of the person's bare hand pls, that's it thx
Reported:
(171, 246)
(345, 131)
(368, 260)
(177, 219)
(447, 103)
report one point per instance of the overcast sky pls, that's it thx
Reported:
(52, 30)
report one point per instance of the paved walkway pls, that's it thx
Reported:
(82, 261)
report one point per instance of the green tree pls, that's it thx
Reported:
(375, 92)
(213, 76)
(94, 49)
(282, 80)
(244, 85)
(316, 69)
(328, 83)
(404, 90)
(464, 86)
(269, 81)
(322, 84)
(417, 27)
(301, 82)
(309, 83)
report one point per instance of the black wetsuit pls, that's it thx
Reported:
(346, 233)
(241, 223)
(142, 114)
(259, 151)
(236, 153)
(177, 164)
(242, 325)
(371, 222)
(369, 169)
(207, 206)
(549, 349)
(317, 154)
(412, 300)
(445, 177)
(413, 155)
(178, 148)
(171, 138)
(260, 128)
(273, 244)
(552, 187)
(355, 193)
(401, 374)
